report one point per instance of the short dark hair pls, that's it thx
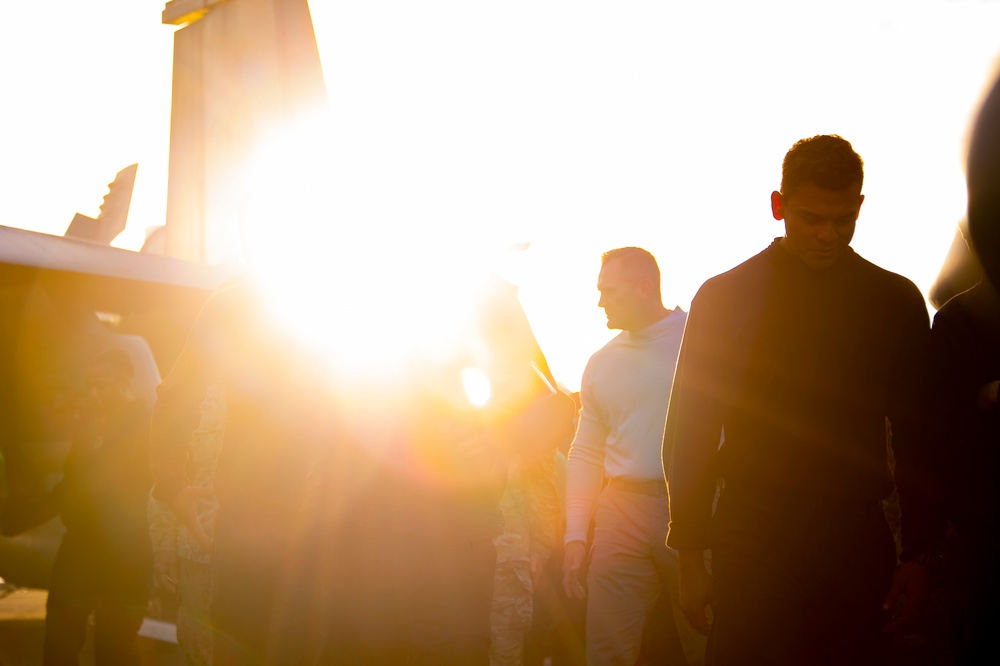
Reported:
(827, 161)
(639, 260)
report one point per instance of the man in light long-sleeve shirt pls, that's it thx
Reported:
(625, 390)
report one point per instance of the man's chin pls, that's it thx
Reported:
(821, 261)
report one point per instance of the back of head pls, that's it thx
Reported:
(827, 161)
(641, 264)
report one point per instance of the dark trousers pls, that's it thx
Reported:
(798, 580)
(977, 594)
(87, 579)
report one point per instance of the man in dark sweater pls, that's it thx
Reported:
(804, 361)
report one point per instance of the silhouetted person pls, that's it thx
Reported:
(803, 357)
(415, 583)
(275, 437)
(983, 180)
(104, 564)
(533, 523)
(624, 390)
(557, 628)
(964, 378)
(182, 557)
(964, 373)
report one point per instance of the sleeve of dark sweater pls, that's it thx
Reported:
(917, 480)
(694, 425)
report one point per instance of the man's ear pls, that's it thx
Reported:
(644, 286)
(777, 206)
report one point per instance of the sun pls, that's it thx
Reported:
(374, 300)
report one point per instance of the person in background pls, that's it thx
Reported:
(435, 486)
(964, 379)
(625, 388)
(182, 554)
(276, 435)
(533, 521)
(104, 563)
(962, 406)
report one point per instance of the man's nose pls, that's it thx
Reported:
(828, 232)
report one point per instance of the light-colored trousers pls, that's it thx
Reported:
(630, 568)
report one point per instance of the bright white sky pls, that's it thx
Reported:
(576, 126)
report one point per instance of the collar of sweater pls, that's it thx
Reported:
(785, 260)
(657, 329)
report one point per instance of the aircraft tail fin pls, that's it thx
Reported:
(114, 211)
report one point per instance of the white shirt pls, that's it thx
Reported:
(625, 390)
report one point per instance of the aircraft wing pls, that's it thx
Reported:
(86, 260)
(63, 301)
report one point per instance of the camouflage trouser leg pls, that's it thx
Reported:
(194, 628)
(511, 617)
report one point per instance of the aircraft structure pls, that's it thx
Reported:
(242, 68)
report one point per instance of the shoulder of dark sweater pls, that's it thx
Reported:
(978, 306)
(892, 293)
(737, 279)
(854, 261)
(774, 263)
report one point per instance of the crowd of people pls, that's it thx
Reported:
(717, 496)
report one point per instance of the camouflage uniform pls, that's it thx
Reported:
(194, 587)
(533, 522)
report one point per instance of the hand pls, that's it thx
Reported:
(165, 570)
(185, 507)
(910, 583)
(695, 589)
(576, 552)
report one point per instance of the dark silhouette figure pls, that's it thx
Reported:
(413, 583)
(275, 436)
(963, 376)
(963, 385)
(104, 563)
(805, 357)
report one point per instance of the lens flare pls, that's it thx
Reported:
(477, 386)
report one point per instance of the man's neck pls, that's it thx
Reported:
(659, 314)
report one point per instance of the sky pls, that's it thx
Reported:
(576, 127)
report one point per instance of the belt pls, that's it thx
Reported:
(655, 487)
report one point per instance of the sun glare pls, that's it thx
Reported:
(373, 300)
(477, 386)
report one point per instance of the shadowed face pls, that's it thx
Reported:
(621, 295)
(819, 223)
